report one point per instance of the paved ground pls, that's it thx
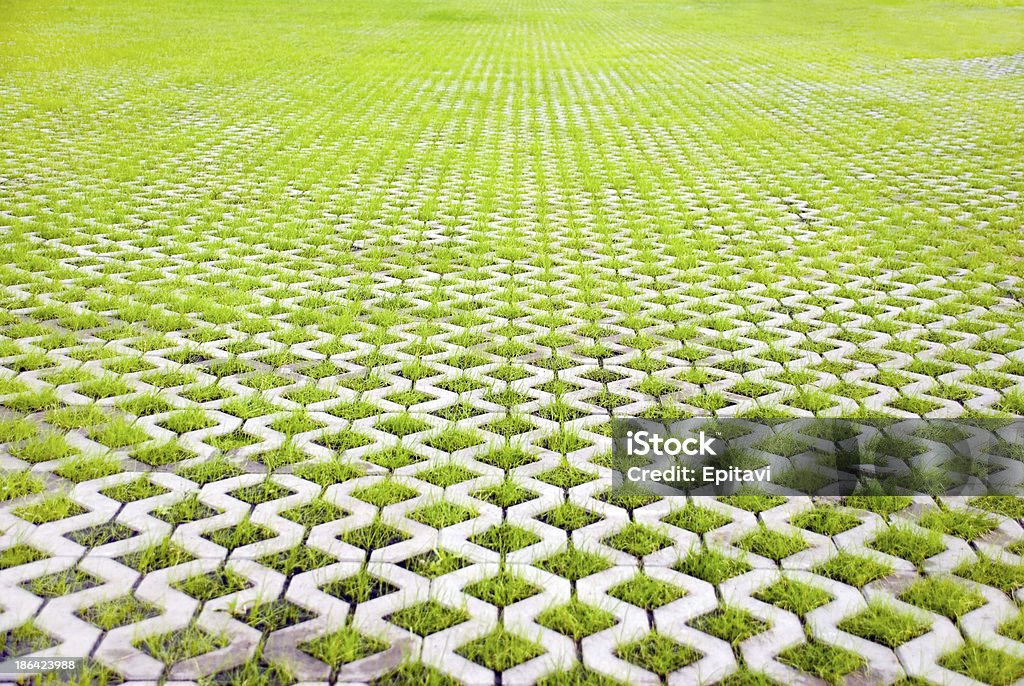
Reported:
(313, 318)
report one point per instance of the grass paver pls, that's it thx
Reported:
(439, 248)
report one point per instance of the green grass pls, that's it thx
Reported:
(446, 475)
(696, 518)
(453, 439)
(49, 509)
(794, 596)
(343, 646)
(901, 541)
(576, 619)
(502, 590)
(121, 611)
(248, 407)
(1007, 506)
(86, 468)
(730, 624)
(359, 588)
(1013, 628)
(242, 534)
(187, 509)
(772, 544)
(753, 503)
(505, 538)
(441, 514)
(944, 596)
(569, 517)
(232, 441)
(308, 395)
(59, 584)
(295, 423)
(212, 585)
(639, 540)
(574, 564)
(963, 524)
(33, 401)
(101, 534)
(415, 674)
(646, 592)
(138, 488)
(19, 429)
(173, 647)
(883, 624)
(402, 425)
(745, 677)
(296, 560)
(43, 448)
(500, 650)
(161, 454)
(24, 639)
(183, 421)
(984, 664)
(428, 618)
(285, 454)
(823, 660)
(157, 556)
(884, 505)
(855, 570)
(272, 615)
(373, 536)
(1006, 577)
(577, 676)
(657, 653)
(394, 457)
(19, 484)
(210, 470)
(824, 520)
(20, 554)
(711, 565)
(566, 476)
(343, 440)
(434, 563)
(504, 495)
(326, 474)
(384, 493)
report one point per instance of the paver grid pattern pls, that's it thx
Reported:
(314, 316)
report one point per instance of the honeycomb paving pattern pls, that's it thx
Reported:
(313, 317)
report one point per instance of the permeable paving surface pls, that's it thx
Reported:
(313, 317)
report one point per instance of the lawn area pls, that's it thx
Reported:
(315, 316)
